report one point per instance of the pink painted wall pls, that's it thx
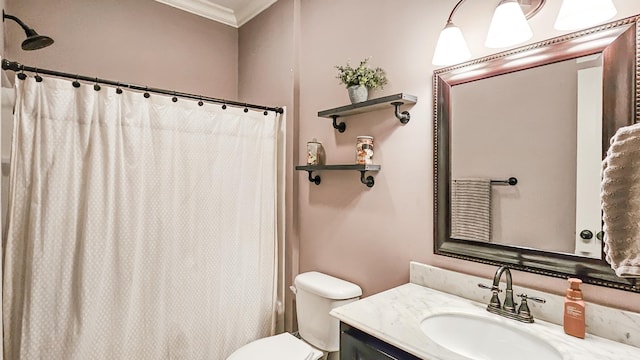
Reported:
(364, 235)
(137, 41)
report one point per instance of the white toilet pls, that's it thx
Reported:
(316, 294)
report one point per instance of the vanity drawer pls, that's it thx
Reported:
(357, 345)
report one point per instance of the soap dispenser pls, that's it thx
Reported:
(574, 321)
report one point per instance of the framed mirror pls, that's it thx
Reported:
(519, 138)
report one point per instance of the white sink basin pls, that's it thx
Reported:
(483, 338)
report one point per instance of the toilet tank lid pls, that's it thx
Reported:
(327, 286)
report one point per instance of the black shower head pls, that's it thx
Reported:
(34, 41)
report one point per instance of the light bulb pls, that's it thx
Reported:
(451, 47)
(508, 26)
(580, 14)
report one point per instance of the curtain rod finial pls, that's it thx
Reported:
(10, 65)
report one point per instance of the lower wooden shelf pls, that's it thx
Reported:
(362, 168)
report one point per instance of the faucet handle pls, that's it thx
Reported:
(483, 286)
(532, 298)
(524, 313)
(495, 301)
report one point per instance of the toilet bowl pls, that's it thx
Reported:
(316, 295)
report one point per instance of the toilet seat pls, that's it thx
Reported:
(278, 347)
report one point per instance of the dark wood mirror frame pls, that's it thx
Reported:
(619, 42)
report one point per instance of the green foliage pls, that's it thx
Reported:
(361, 75)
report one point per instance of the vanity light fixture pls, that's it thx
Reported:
(580, 14)
(508, 27)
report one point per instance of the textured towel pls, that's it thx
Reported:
(620, 199)
(471, 209)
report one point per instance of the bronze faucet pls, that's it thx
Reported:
(508, 309)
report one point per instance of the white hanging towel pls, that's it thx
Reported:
(471, 209)
(620, 198)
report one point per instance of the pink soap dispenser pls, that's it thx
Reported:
(574, 321)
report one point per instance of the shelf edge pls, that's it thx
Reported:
(406, 98)
(355, 167)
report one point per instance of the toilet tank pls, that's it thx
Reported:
(316, 295)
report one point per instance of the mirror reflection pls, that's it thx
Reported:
(542, 126)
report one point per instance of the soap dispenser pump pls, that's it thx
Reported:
(574, 320)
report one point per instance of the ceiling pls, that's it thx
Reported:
(230, 12)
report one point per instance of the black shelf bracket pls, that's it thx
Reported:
(314, 179)
(368, 180)
(404, 116)
(340, 127)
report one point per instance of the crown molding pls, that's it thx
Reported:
(210, 10)
(205, 9)
(253, 8)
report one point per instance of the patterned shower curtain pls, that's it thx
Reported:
(138, 228)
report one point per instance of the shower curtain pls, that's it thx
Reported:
(138, 228)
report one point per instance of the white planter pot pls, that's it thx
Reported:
(358, 93)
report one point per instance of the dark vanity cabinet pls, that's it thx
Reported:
(357, 345)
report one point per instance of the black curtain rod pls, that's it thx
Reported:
(16, 66)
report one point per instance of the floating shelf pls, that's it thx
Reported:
(394, 100)
(369, 181)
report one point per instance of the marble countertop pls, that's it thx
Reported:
(394, 316)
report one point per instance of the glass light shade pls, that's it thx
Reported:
(508, 26)
(580, 14)
(451, 47)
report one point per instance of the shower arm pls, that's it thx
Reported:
(11, 17)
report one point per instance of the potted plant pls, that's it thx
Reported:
(360, 79)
